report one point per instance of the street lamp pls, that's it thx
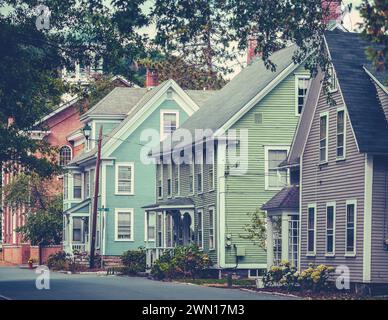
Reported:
(87, 130)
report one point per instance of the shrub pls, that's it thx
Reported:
(181, 262)
(283, 276)
(315, 278)
(312, 278)
(59, 261)
(134, 261)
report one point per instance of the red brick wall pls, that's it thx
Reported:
(46, 252)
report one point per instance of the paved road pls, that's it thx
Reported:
(19, 284)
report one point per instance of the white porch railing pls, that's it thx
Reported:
(80, 247)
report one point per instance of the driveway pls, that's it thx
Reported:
(20, 284)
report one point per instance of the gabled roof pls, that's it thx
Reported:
(196, 97)
(117, 102)
(347, 52)
(286, 199)
(244, 87)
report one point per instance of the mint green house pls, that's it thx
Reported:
(250, 124)
(129, 117)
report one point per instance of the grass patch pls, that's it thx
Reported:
(236, 282)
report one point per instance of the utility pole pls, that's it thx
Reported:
(95, 201)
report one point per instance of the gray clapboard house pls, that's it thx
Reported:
(339, 168)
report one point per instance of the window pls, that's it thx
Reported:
(199, 177)
(169, 122)
(151, 224)
(330, 228)
(92, 182)
(211, 229)
(351, 210)
(169, 232)
(169, 181)
(332, 79)
(77, 186)
(159, 228)
(124, 224)
(341, 131)
(311, 220)
(160, 182)
(64, 155)
(275, 177)
(124, 178)
(65, 186)
(191, 178)
(87, 185)
(77, 229)
(302, 84)
(200, 229)
(211, 170)
(323, 137)
(177, 179)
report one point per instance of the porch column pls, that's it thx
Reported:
(285, 237)
(269, 242)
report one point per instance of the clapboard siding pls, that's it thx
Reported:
(380, 220)
(201, 201)
(337, 181)
(246, 193)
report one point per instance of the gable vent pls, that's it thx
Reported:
(258, 118)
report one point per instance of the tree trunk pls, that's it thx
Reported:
(40, 253)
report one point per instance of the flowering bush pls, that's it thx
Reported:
(315, 278)
(181, 262)
(312, 278)
(283, 276)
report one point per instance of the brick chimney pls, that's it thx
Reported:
(334, 10)
(252, 43)
(151, 78)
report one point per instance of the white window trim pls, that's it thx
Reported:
(131, 211)
(161, 182)
(82, 186)
(169, 168)
(312, 253)
(71, 152)
(200, 210)
(351, 253)
(124, 164)
(162, 113)
(201, 171)
(146, 224)
(178, 177)
(214, 228)
(334, 205)
(266, 165)
(336, 143)
(250, 276)
(297, 78)
(214, 173)
(324, 114)
(192, 172)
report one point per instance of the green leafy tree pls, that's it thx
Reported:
(31, 61)
(197, 36)
(42, 203)
(375, 29)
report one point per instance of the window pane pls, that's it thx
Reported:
(330, 217)
(64, 155)
(77, 186)
(323, 127)
(311, 218)
(311, 240)
(124, 225)
(124, 183)
(350, 208)
(169, 122)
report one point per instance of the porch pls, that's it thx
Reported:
(76, 226)
(168, 224)
(283, 227)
